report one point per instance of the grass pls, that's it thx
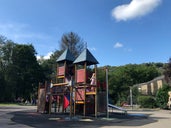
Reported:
(9, 104)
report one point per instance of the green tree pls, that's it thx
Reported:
(2, 81)
(2, 86)
(19, 70)
(6, 50)
(123, 77)
(162, 96)
(27, 70)
(167, 71)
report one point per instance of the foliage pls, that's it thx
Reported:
(73, 42)
(27, 69)
(19, 70)
(123, 77)
(167, 71)
(162, 96)
(146, 101)
(6, 50)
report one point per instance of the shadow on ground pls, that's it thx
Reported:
(38, 120)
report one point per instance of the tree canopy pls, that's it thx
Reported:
(19, 69)
(73, 42)
(167, 71)
(162, 96)
(123, 77)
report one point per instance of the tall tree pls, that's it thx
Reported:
(72, 41)
(167, 72)
(6, 50)
(162, 96)
(27, 70)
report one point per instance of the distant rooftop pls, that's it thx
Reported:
(86, 56)
(66, 56)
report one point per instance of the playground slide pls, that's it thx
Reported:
(118, 108)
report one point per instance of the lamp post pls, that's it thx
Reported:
(107, 91)
(139, 89)
(131, 103)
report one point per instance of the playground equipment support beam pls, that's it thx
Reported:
(107, 91)
(131, 102)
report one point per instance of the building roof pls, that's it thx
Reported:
(86, 56)
(151, 81)
(66, 56)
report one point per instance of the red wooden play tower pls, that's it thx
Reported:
(75, 89)
(85, 92)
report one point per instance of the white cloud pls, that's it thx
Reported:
(39, 57)
(136, 8)
(47, 56)
(92, 49)
(118, 45)
(128, 50)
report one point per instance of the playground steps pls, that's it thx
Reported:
(90, 93)
(79, 102)
(60, 77)
(60, 84)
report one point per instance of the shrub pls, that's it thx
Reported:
(162, 96)
(146, 101)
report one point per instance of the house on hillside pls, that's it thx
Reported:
(151, 87)
(169, 100)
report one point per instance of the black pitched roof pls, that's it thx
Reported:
(66, 56)
(86, 56)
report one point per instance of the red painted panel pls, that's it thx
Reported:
(80, 75)
(80, 94)
(61, 71)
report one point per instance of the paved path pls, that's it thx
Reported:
(27, 117)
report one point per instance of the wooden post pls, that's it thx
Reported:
(62, 97)
(85, 74)
(70, 102)
(95, 90)
(75, 73)
(50, 103)
(57, 70)
(64, 71)
(75, 89)
(75, 102)
(38, 98)
(71, 96)
(85, 78)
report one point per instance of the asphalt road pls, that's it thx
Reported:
(27, 117)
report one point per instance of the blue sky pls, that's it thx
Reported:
(117, 32)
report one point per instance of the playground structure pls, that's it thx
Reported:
(76, 89)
